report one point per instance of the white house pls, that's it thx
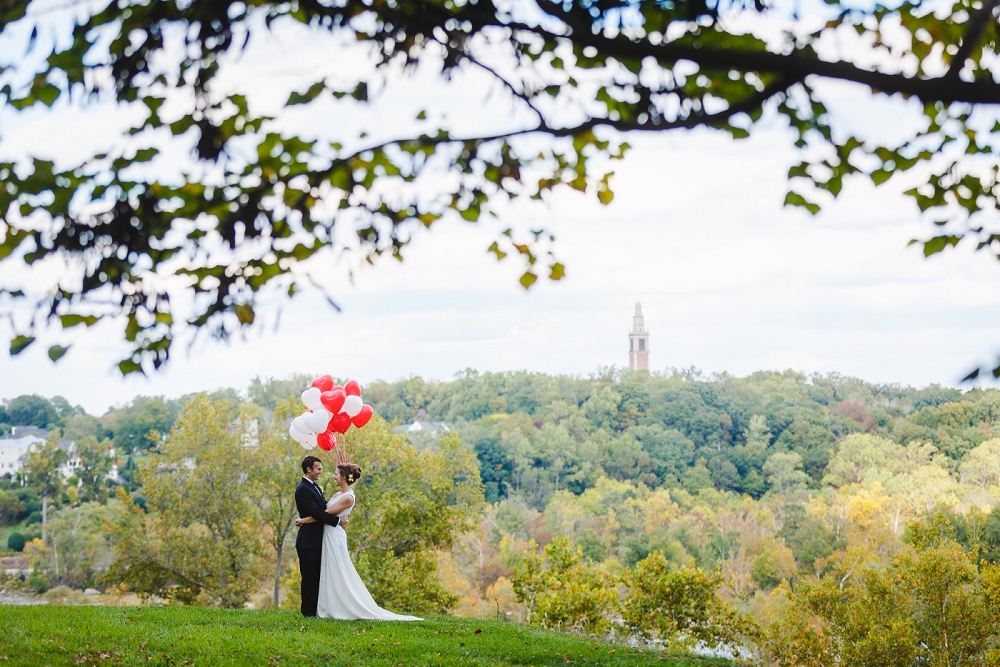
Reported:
(15, 444)
(22, 438)
(434, 428)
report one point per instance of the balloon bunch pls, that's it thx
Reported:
(332, 409)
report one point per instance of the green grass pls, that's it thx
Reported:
(66, 635)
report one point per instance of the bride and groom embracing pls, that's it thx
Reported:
(331, 586)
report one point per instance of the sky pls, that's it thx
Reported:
(729, 279)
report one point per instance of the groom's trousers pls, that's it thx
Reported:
(309, 567)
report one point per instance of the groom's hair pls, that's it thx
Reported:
(308, 462)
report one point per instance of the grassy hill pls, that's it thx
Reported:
(65, 635)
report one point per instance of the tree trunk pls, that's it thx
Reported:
(45, 509)
(277, 577)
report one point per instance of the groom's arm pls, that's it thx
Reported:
(308, 506)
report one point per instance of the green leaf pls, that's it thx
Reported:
(145, 154)
(127, 366)
(244, 313)
(939, 243)
(496, 250)
(880, 176)
(795, 199)
(973, 375)
(422, 115)
(308, 96)
(558, 271)
(71, 320)
(57, 351)
(47, 94)
(18, 343)
(799, 171)
(528, 279)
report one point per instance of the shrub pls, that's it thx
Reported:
(16, 542)
(933, 605)
(681, 608)
(562, 590)
(12, 509)
(38, 582)
(34, 517)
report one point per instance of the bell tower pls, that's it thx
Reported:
(638, 342)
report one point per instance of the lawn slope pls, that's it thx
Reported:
(66, 635)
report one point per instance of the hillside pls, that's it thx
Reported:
(200, 636)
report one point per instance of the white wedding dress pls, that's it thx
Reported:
(342, 594)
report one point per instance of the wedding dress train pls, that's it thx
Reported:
(342, 594)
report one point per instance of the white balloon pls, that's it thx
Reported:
(318, 421)
(299, 424)
(311, 398)
(302, 438)
(352, 406)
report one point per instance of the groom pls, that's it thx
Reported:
(309, 500)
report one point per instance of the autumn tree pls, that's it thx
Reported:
(679, 606)
(981, 466)
(932, 606)
(95, 466)
(272, 473)
(783, 471)
(201, 540)
(40, 470)
(563, 590)
(409, 505)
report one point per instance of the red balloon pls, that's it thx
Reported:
(352, 388)
(363, 417)
(326, 441)
(323, 383)
(333, 400)
(340, 422)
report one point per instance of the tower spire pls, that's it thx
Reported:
(638, 342)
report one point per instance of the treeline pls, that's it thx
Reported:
(536, 434)
(799, 500)
(604, 494)
(130, 428)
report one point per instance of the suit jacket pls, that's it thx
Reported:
(310, 502)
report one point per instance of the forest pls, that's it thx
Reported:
(758, 491)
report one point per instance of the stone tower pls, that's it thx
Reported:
(638, 342)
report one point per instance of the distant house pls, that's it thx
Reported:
(22, 438)
(14, 445)
(433, 428)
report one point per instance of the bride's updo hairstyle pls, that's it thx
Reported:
(350, 472)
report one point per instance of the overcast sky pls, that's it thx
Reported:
(729, 280)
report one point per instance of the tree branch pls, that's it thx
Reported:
(796, 66)
(977, 24)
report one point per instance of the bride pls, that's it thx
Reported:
(342, 594)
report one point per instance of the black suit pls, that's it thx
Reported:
(309, 501)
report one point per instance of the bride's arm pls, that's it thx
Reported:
(339, 505)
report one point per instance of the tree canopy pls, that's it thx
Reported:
(257, 201)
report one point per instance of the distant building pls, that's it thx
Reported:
(22, 438)
(14, 445)
(638, 342)
(434, 428)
